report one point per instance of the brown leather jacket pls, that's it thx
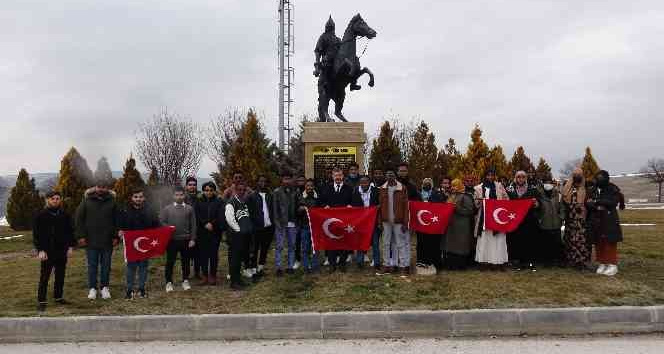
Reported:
(401, 215)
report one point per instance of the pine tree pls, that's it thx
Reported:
(543, 170)
(296, 148)
(74, 178)
(589, 165)
(103, 172)
(423, 153)
(385, 149)
(520, 162)
(475, 160)
(24, 202)
(449, 160)
(130, 180)
(498, 162)
(251, 153)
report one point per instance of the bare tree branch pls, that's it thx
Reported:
(654, 172)
(170, 145)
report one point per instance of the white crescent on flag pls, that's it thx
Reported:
(326, 228)
(496, 216)
(419, 217)
(137, 243)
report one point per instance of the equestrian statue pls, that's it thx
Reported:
(338, 65)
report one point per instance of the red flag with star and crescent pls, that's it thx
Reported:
(430, 218)
(336, 229)
(144, 244)
(505, 215)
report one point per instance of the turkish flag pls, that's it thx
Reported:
(505, 215)
(430, 218)
(334, 229)
(144, 244)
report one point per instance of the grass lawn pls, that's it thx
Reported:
(640, 282)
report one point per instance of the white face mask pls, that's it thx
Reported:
(548, 187)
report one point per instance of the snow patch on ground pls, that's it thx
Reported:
(11, 237)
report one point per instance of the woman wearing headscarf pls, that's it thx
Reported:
(574, 212)
(605, 223)
(491, 250)
(458, 241)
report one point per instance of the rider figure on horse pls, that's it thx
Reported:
(325, 51)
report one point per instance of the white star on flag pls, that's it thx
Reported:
(434, 219)
(154, 243)
(512, 216)
(350, 229)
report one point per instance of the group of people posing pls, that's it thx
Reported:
(251, 219)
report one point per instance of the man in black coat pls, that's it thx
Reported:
(261, 209)
(53, 238)
(209, 227)
(337, 194)
(366, 195)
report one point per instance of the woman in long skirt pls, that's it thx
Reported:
(577, 252)
(491, 250)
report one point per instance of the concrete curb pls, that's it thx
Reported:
(346, 325)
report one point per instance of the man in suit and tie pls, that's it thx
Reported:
(337, 194)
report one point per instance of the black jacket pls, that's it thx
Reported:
(357, 201)
(137, 219)
(255, 204)
(602, 213)
(53, 232)
(96, 219)
(413, 193)
(208, 211)
(332, 198)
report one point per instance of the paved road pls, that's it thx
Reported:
(584, 345)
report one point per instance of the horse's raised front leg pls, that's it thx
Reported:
(366, 70)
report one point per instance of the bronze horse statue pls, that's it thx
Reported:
(345, 70)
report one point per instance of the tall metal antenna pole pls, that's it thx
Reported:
(286, 72)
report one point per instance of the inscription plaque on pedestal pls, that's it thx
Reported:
(328, 145)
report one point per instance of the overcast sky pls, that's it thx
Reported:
(553, 76)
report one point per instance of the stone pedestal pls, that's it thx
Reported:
(330, 144)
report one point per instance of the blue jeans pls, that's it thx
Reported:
(375, 249)
(132, 267)
(98, 258)
(281, 233)
(307, 250)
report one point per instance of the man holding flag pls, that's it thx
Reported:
(136, 217)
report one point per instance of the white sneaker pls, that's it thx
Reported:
(349, 258)
(169, 287)
(366, 259)
(326, 263)
(601, 269)
(260, 268)
(611, 270)
(228, 277)
(246, 273)
(372, 264)
(92, 294)
(185, 285)
(296, 265)
(105, 293)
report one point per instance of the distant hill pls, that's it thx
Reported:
(636, 188)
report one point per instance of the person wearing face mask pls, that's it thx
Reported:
(523, 244)
(577, 253)
(605, 223)
(550, 222)
(458, 242)
(428, 246)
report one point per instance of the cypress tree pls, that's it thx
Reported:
(543, 170)
(250, 153)
(423, 153)
(385, 150)
(589, 165)
(520, 162)
(475, 160)
(74, 178)
(130, 180)
(24, 201)
(104, 173)
(498, 162)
